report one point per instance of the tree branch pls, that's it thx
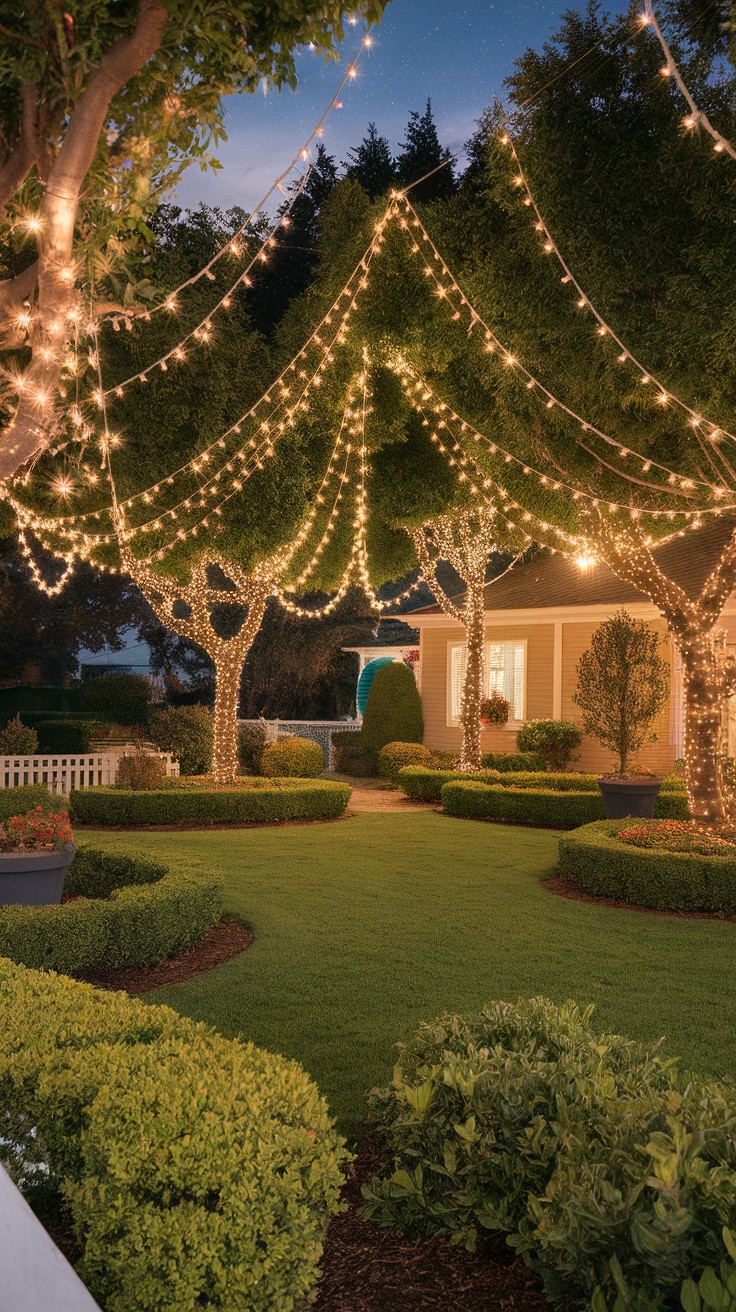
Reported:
(14, 291)
(19, 163)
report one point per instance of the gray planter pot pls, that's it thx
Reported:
(629, 797)
(33, 879)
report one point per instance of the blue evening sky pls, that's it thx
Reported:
(457, 52)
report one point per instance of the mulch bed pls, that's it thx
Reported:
(225, 940)
(564, 888)
(368, 1268)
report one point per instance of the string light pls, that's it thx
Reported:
(695, 117)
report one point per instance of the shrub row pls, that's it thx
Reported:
(97, 1091)
(318, 800)
(129, 912)
(426, 785)
(597, 862)
(544, 807)
(597, 1160)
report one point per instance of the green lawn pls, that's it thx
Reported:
(365, 926)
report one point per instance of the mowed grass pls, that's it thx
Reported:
(364, 927)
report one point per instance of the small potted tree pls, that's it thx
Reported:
(35, 851)
(494, 709)
(623, 684)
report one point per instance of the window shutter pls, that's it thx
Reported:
(458, 666)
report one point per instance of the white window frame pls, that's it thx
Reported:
(454, 645)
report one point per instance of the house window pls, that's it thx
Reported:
(505, 672)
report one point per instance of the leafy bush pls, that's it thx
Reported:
(394, 756)
(714, 1291)
(40, 698)
(587, 1150)
(292, 758)
(13, 801)
(556, 741)
(556, 808)
(121, 697)
(351, 756)
(17, 739)
(197, 1171)
(140, 771)
(513, 761)
(187, 732)
(126, 912)
(319, 800)
(393, 712)
(597, 862)
(251, 742)
(65, 737)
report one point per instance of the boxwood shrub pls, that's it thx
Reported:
(65, 737)
(125, 912)
(513, 762)
(16, 801)
(292, 757)
(426, 784)
(545, 806)
(394, 756)
(196, 1171)
(597, 862)
(598, 1161)
(317, 799)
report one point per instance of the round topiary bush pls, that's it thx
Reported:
(393, 712)
(394, 756)
(292, 758)
(597, 862)
(195, 1171)
(125, 911)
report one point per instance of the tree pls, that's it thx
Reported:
(371, 164)
(422, 153)
(102, 110)
(623, 683)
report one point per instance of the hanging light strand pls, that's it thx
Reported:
(695, 118)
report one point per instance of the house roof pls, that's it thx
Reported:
(552, 581)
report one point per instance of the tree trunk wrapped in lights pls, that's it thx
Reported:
(191, 610)
(709, 675)
(466, 541)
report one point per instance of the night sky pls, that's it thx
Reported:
(458, 52)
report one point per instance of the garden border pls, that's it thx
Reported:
(545, 808)
(315, 799)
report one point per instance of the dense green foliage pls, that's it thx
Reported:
(426, 784)
(395, 756)
(64, 735)
(186, 732)
(506, 762)
(351, 756)
(393, 712)
(556, 741)
(17, 801)
(292, 757)
(291, 800)
(99, 1087)
(124, 698)
(540, 805)
(18, 737)
(251, 742)
(597, 862)
(125, 912)
(585, 1149)
(140, 770)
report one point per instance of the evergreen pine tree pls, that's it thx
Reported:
(420, 153)
(371, 164)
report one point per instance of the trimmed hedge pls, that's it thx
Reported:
(426, 785)
(316, 800)
(393, 711)
(65, 737)
(598, 863)
(16, 801)
(544, 807)
(510, 762)
(129, 912)
(292, 757)
(395, 756)
(124, 698)
(197, 1171)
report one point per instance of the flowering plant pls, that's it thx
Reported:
(678, 836)
(633, 772)
(495, 709)
(36, 831)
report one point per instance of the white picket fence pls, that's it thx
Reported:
(61, 772)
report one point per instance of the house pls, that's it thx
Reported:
(540, 618)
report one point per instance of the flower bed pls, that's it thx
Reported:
(97, 1090)
(598, 1160)
(596, 861)
(267, 802)
(126, 912)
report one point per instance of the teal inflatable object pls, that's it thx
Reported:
(367, 675)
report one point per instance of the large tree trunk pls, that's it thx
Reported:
(228, 672)
(470, 748)
(704, 702)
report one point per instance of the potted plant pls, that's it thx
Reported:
(35, 851)
(494, 709)
(623, 684)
